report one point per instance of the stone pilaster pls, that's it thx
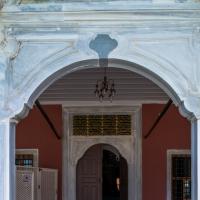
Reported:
(195, 152)
(7, 158)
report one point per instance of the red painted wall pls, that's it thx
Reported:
(173, 132)
(34, 132)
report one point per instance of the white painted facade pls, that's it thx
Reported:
(39, 43)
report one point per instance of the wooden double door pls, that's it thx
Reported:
(90, 180)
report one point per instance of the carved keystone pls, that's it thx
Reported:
(103, 44)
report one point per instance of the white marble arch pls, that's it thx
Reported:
(163, 70)
(81, 148)
(173, 88)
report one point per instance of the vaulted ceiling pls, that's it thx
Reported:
(80, 86)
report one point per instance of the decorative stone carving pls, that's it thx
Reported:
(103, 44)
(153, 55)
(122, 144)
(9, 48)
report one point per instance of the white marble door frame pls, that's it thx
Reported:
(129, 147)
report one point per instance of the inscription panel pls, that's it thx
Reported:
(89, 125)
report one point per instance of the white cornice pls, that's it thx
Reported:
(102, 5)
(107, 13)
(107, 19)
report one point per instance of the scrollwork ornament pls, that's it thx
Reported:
(9, 46)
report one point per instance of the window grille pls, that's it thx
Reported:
(26, 157)
(24, 160)
(88, 125)
(181, 177)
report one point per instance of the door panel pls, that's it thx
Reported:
(89, 171)
(89, 176)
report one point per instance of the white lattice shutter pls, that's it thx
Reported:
(35, 174)
(24, 185)
(49, 184)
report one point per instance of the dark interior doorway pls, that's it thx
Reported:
(102, 174)
(111, 176)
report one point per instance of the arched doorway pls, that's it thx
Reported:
(102, 174)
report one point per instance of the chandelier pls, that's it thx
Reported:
(105, 88)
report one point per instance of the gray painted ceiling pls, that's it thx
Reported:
(80, 86)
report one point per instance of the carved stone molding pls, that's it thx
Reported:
(122, 144)
(10, 47)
